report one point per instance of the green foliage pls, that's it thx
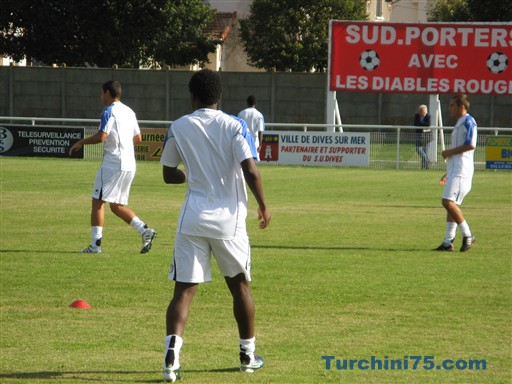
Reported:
(292, 35)
(490, 10)
(470, 10)
(344, 269)
(106, 32)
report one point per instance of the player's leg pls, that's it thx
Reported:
(179, 308)
(234, 261)
(117, 194)
(124, 213)
(190, 266)
(243, 310)
(243, 305)
(97, 224)
(455, 191)
(176, 319)
(97, 214)
(450, 193)
(129, 217)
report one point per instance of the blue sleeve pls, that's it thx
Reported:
(248, 137)
(168, 135)
(470, 125)
(105, 116)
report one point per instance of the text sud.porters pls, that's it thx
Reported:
(429, 85)
(442, 58)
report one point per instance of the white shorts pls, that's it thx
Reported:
(191, 261)
(113, 186)
(456, 189)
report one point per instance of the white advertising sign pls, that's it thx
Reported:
(348, 149)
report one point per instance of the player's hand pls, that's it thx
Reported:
(75, 147)
(264, 218)
(442, 181)
(445, 154)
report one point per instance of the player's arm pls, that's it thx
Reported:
(173, 175)
(170, 160)
(137, 139)
(253, 179)
(457, 150)
(98, 137)
(260, 138)
(469, 142)
(261, 129)
(442, 180)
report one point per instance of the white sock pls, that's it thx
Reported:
(138, 224)
(96, 235)
(464, 229)
(248, 346)
(451, 231)
(172, 345)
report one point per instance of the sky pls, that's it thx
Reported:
(240, 6)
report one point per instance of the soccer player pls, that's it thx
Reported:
(218, 155)
(255, 122)
(460, 169)
(119, 131)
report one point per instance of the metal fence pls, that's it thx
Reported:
(391, 146)
(394, 146)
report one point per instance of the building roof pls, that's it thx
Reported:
(222, 24)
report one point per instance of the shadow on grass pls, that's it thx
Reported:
(115, 376)
(348, 248)
(311, 247)
(36, 251)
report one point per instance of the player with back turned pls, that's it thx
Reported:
(218, 154)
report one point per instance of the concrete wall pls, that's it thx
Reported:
(163, 95)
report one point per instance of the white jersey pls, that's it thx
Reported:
(211, 145)
(120, 123)
(465, 132)
(255, 122)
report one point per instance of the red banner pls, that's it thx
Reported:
(472, 58)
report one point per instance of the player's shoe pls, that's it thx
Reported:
(91, 249)
(445, 247)
(250, 365)
(172, 369)
(171, 374)
(467, 242)
(147, 239)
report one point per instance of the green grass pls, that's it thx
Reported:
(345, 269)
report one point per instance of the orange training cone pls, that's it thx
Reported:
(80, 304)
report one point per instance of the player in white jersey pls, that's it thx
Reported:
(458, 178)
(118, 131)
(218, 153)
(255, 122)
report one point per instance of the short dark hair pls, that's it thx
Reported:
(251, 101)
(113, 87)
(205, 86)
(461, 99)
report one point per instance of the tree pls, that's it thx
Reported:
(293, 34)
(470, 10)
(107, 32)
(448, 10)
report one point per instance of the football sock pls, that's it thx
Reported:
(248, 346)
(173, 345)
(96, 235)
(138, 224)
(464, 229)
(451, 231)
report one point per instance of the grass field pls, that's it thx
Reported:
(345, 269)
